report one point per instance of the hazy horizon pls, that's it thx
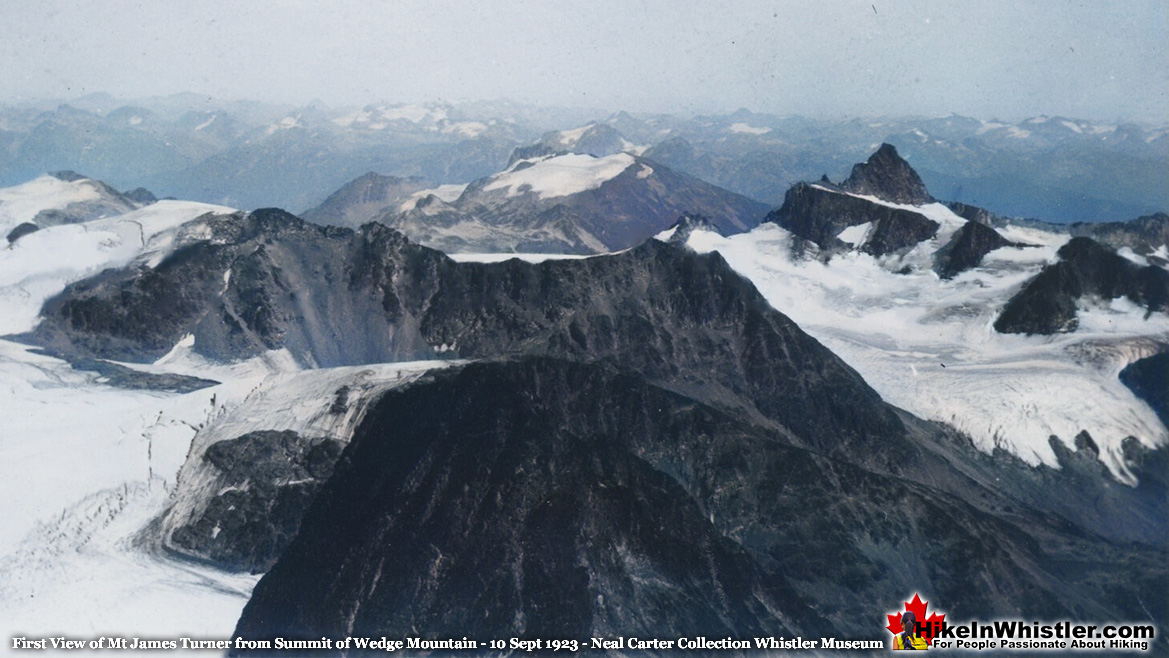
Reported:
(865, 59)
(598, 113)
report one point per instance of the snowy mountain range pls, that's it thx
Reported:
(870, 392)
(251, 155)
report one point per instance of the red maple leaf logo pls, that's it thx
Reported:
(918, 608)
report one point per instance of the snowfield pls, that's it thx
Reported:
(83, 468)
(21, 203)
(928, 345)
(559, 175)
(40, 265)
(86, 467)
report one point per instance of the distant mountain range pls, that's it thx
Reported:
(251, 155)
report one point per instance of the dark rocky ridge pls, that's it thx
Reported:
(339, 297)
(967, 248)
(818, 214)
(976, 214)
(552, 497)
(886, 175)
(114, 374)
(140, 195)
(533, 151)
(1047, 303)
(291, 284)
(1143, 235)
(21, 230)
(689, 223)
(678, 329)
(596, 139)
(1149, 379)
(67, 175)
(268, 480)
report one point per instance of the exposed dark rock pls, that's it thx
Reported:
(886, 175)
(67, 175)
(688, 223)
(1143, 235)
(548, 525)
(22, 230)
(325, 293)
(967, 248)
(109, 202)
(140, 195)
(532, 151)
(600, 139)
(819, 214)
(538, 497)
(123, 377)
(976, 214)
(338, 297)
(269, 479)
(1047, 303)
(1149, 379)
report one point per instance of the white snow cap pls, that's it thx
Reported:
(560, 175)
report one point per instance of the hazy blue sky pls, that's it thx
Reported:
(987, 59)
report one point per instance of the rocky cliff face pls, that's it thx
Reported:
(1143, 235)
(1149, 379)
(1047, 303)
(539, 497)
(886, 175)
(263, 280)
(269, 479)
(553, 523)
(967, 248)
(337, 297)
(818, 214)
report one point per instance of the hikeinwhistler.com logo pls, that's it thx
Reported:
(916, 627)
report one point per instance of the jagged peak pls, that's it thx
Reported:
(68, 176)
(886, 175)
(687, 223)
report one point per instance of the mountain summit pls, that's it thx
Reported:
(887, 176)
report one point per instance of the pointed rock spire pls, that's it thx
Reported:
(886, 175)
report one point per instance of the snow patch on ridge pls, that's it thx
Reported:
(560, 175)
(747, 129)
(447, 193)
(526, 257)
(41, 264)
(21, 203)
(855, 235)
